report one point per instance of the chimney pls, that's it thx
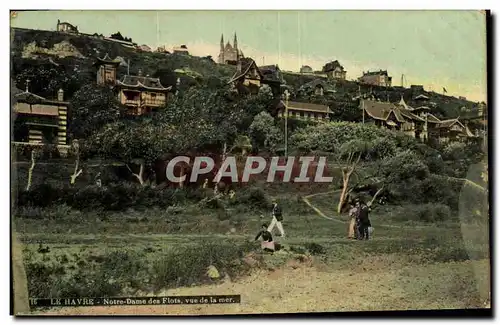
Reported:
(60, 95)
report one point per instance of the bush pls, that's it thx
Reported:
(433, 212)
(114, 197)
(254, 197)
(430, 212)
(315, 249)
(189, 265)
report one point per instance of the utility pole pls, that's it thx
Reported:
(363, 108)
(287, 95)
(298, 39)
(279, 39)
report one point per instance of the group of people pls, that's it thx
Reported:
(267, 242)
(360, 226)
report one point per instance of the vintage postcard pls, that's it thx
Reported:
(249, 162)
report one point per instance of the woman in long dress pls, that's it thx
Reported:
(352, 224)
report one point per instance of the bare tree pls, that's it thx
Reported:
(34, 156)
(140, 175)
(351, 152)
(77, 172)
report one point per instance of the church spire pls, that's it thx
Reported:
(235, 42)
(222, 42)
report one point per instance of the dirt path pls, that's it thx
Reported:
(380, 284)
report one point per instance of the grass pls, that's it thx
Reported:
(139, 252)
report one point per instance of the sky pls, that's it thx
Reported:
(432, 48)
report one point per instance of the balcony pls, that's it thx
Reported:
(153, 102)
(131, 102)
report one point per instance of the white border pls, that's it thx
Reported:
(187, 4)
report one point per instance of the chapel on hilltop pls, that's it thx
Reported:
(229, 54)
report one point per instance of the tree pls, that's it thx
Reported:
(135, 143)
(264, 133)
(75, 147)
(92, 107)
(345, 110)
(117, 36)
(242, 144)
(349, 155)
(206, 119)
(35, 154)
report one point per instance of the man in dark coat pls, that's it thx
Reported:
(363, 220)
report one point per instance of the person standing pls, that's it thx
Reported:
(364, 221)
(277, 219)
(353, 212)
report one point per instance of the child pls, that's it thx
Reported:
(267, 243)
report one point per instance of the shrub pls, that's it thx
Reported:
(430, 212)
(254, 197)
(188, 265)
(433, 212)
(113, 197)
(315, 248)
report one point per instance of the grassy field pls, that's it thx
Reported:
(407, 264)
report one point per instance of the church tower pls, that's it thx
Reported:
(235, 42)
(221, 52)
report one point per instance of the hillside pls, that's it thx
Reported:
(53, 60)
(345, 91)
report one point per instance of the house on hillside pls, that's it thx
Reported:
(304, 111)
(479, 124)
(229, 54)
(417, 88)
(376, 78)
(453, 130)
(306, 69)
(334, 70)
(248, 77)
(39, 120)
(272, 76)
(181, 49)
(418, 122)
(394, 117)
(66, 27)
(317, 87)
(141, 94)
